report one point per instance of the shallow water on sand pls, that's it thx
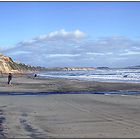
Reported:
(53, 93)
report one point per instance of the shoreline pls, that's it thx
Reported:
(28, 83)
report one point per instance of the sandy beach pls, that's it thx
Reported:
(68, 115)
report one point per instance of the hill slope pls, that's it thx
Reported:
(8, 65)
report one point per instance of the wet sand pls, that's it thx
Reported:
(70, 116)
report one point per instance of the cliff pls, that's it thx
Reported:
(7, 65)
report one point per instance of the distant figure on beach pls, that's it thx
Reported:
(9, 78)
(125, 76)
(35, 75)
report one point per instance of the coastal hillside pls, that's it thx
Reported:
(8, 65)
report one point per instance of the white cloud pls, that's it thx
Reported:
(130, 53)
(63, 55)
(99, 54)
(55, 37)
(91, 53)
(61, 34)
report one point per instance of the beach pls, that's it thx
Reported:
(28, 83)
(69, 70)
(68, 115)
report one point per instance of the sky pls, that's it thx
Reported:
(73, 34)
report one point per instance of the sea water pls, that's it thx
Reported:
(101, 75)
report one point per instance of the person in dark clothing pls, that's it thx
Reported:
(125, 76)
(9, 78)
(35, 75)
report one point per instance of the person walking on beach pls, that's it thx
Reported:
(9, 78)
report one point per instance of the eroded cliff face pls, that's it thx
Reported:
(8, 65)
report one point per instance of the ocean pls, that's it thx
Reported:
(101, 75)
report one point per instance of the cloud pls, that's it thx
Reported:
(92, 53)
(73, 48)
(77, 34)
(61, 35)
(97, 54)
(63, 55)
(128, 53)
